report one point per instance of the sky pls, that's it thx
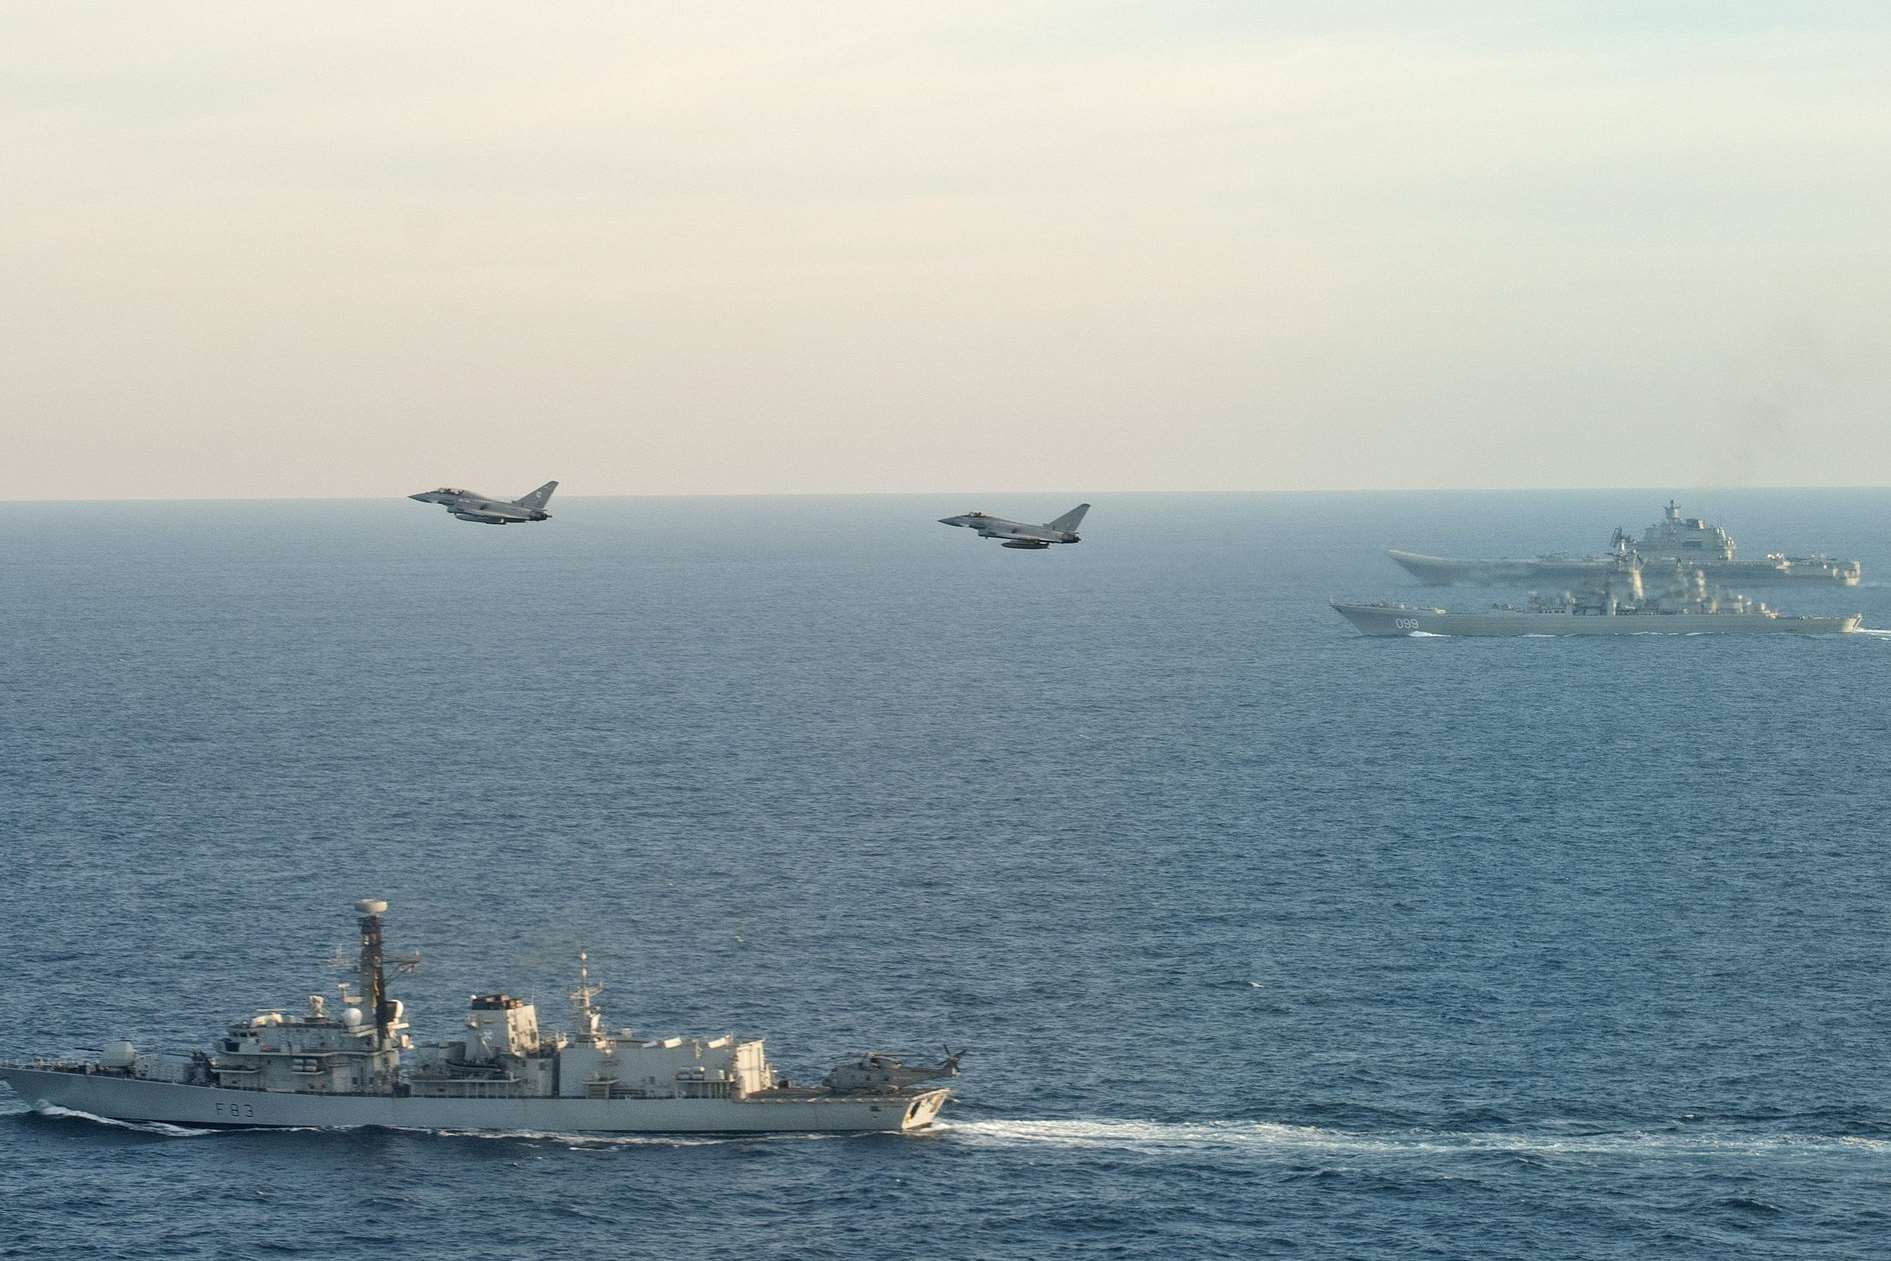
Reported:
(261, 249)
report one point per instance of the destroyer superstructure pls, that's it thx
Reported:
(1691, 541)
(357, 1065)
(1615, 601)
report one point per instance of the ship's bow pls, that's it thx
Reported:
(1435, 571)
(1378, 619)
(47, 1088)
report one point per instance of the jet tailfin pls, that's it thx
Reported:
(538, 497)
(1070, 520)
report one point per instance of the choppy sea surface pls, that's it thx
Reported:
(1267, 938)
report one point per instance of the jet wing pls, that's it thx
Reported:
(490, 516)
(1024, 533)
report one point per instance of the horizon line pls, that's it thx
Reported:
(916, 494)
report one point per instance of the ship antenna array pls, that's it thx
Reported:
(586, 991)
(583, 997)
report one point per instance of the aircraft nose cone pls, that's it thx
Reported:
(422, 497)
(948, 521)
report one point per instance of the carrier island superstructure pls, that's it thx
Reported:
(357, 1065)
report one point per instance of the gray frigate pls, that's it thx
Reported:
(356, 1065)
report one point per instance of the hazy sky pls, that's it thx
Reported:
(336, 248)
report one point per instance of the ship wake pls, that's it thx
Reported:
(162, 1129)
(575, 1140)
(580, 1140)
(1159, 1138)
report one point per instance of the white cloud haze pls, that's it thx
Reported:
(339, 249)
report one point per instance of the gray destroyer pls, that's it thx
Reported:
(357, 1066)
(1615, 602)
(1687, 540)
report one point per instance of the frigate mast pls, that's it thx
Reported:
(590, 1019)
(373, 979)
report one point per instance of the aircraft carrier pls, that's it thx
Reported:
(348, 1067)
(1616, 602)
(1688, 540)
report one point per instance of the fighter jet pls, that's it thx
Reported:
(1020, 535)
(470, 505)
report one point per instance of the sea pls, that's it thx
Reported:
(1265, 938)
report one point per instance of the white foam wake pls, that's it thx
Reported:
(163, 1128)
(602, 1139)
(1262, 1137)
(574, 1139)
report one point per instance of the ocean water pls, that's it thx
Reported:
(1267, 938)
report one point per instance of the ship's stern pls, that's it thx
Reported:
(924, 1109)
